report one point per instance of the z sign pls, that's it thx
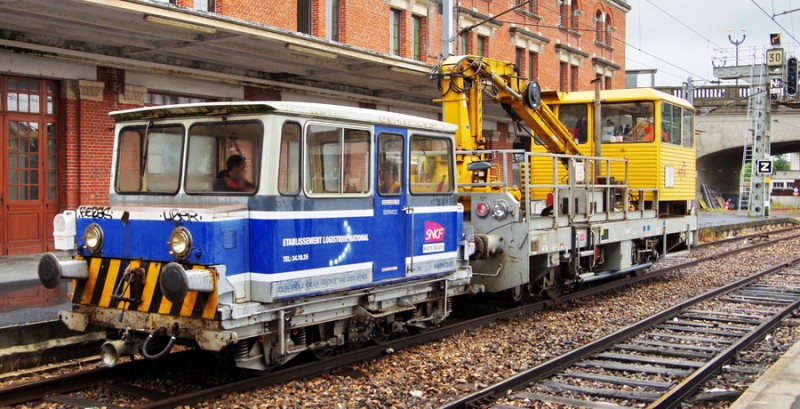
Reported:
(764, 167)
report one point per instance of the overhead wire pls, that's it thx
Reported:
(683, 24)
(771, 17)
(639, 48)
(623, 41)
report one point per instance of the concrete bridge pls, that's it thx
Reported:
(721, 125)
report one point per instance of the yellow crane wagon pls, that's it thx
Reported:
(604, 185)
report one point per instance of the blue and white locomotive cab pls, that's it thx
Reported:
(265, 229)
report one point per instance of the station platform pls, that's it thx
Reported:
(24, 300)
(777, 388)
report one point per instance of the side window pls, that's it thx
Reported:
(617, 120)
(670, 123)
(149, 159)
(129, 169)
(687, 131)
(431, 165)
(337, 160)
(202, 165)
(224, 157)
(575, 118)
(356, 161)
(289, 160)
(390, 164)
(635, 120)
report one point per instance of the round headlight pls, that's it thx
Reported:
(482, 209)
(500, 209)
(180, 242)
(93, 237)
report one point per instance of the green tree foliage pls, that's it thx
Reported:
(780, 163)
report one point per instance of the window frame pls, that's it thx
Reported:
(342, 140)
(449, 155)
(579, 135)
(144, 131)
(482, 46)
(533, 65)
(255, 162)
(637, 123)
(298, 164)
(417, 23)
(393, 138)
(395, 31)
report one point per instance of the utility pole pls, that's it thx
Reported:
(447, 27)
(598, 124)
(688, 90)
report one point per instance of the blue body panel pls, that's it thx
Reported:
(217, 242)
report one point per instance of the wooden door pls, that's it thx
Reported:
(28, 168)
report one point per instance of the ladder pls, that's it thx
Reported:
(755, 103)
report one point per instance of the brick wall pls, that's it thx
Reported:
(365, 23)
(88, 137)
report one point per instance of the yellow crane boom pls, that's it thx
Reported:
(463, 80)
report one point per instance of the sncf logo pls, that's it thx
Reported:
(434, 232)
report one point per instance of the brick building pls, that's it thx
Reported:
(64, 65)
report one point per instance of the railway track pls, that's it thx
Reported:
(662, 360)
(144, 399)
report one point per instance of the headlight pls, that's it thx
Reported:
(180, 242)
(500, 209)
(93, 237)
(482, 209)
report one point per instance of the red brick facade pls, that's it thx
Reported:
(365, 23)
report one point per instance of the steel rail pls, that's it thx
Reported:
(16, 394)
(555, 365)
(37, 390)
(321, 367)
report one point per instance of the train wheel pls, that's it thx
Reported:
(323, 352)
(381, 335)
(554, 291)
(516, 293)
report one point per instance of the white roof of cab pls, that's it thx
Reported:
(305, 109)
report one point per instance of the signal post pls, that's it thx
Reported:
(775, 79)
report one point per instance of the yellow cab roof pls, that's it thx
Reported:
(613, 95)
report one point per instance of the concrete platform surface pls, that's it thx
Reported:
(777, 388)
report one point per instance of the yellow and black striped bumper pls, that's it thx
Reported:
(105, 276)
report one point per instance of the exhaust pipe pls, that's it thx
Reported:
(111, 351)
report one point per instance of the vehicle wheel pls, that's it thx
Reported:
(516, 293)
(554, 291)
(322, 353)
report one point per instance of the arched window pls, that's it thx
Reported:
(564, 16)
(599, 27)
(574, 14)
(609, 29)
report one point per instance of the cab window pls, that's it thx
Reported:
(224, 157)
(574, 117)
(289, 160)
(627, 122)
(337, 160)
(671, 123)
(390, 164)
(149, 159)
(431, 166)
